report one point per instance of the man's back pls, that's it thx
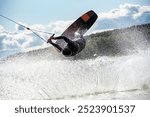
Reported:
(81, 42)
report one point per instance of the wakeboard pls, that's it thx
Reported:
(80, 26)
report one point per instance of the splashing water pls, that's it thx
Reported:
(100, 78)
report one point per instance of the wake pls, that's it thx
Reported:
(104, 77)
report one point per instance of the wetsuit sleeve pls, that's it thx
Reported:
(64, 38)
(56, 46)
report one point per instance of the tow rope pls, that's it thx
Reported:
(32, 30)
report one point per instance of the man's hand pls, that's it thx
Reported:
(50, 39)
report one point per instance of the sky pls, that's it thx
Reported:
(45, 11)
(55, 16)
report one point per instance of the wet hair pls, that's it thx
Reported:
(66, 52)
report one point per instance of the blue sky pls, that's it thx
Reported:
(44, 11)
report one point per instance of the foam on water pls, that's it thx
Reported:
(28, 78)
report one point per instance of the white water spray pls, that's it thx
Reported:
(26, 78)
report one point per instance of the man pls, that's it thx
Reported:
(72, 48)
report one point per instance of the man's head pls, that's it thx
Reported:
(66, 52)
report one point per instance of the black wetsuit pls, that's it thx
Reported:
(75, 46)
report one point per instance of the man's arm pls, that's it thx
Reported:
(62, 37)
(56, 46)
